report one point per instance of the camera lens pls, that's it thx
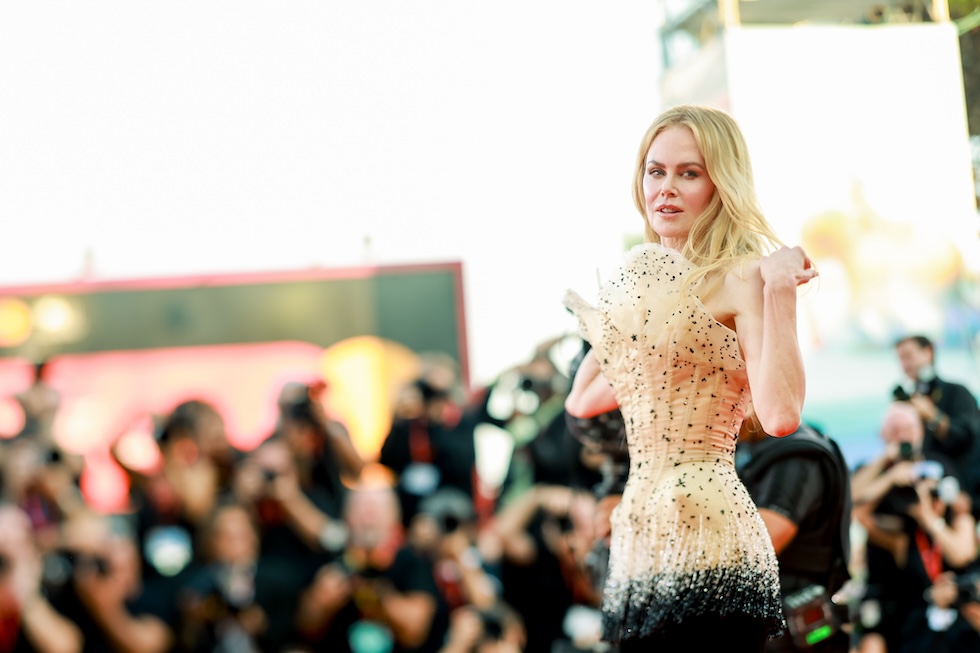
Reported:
(450, 523)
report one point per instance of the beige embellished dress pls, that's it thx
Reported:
(687, 539)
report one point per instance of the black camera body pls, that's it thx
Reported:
(269, 475)
(966, 585)
(61, 566)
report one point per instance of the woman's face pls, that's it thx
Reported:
(676, 186)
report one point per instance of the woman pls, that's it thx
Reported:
(699, 314)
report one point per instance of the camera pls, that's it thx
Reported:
(430, 392)
(60, 566)
(493, 625)
(565, 524)
(52, 457)
(966, 586)
(269, 475)
(906, 451)
(84, 562)
(928, 470)
(449, 523)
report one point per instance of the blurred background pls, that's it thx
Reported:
(214, 200)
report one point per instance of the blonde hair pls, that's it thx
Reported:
(732, 229)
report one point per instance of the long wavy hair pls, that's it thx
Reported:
(732, 229)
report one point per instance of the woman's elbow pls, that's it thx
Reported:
(780, 423)
(592, 402)
(576, 407)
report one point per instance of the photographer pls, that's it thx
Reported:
(957, 599)
(546, 537)
(42, 481)
(28, 622)
(431, 443)
(298, 519)
(445, 531)
(918, 524)
(95, 580)
(237, 599)
(948, 410)
(378, 590)
(495, 630)
(173, 498)
(800, 484)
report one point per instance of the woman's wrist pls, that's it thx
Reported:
(779, 286)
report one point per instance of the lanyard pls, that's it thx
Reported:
(932, 554)
(419, 444)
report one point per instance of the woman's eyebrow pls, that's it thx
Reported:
(685, 164)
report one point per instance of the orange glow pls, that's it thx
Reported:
(15, 322)
(364, 375)
(376, 475)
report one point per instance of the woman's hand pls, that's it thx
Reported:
(787, 264)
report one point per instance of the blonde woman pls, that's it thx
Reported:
(699, 314)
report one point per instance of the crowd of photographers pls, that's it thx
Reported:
(301, 546)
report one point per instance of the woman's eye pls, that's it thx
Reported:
(690, 174)
(655, 172)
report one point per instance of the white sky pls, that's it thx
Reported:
(211, 137)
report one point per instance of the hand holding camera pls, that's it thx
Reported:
(331, 589)
(270, 473)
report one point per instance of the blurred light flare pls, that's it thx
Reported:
(12, 417)
(137, 449)
(16, 322)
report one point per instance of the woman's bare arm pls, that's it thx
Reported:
(591, 393)
(765, 321)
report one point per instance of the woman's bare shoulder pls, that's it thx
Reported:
(738, 290)
(743, 277)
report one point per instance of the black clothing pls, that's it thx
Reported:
(275, 585)
(538, 592)
(556, 457)
(897, 593)
(152, 601)
(960, 442)
(804, 478)
(409, 572)
(733, 634)
(279, 540)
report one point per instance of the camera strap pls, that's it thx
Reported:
(931, 554)
(419, 442)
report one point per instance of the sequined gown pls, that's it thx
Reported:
(686, 538)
